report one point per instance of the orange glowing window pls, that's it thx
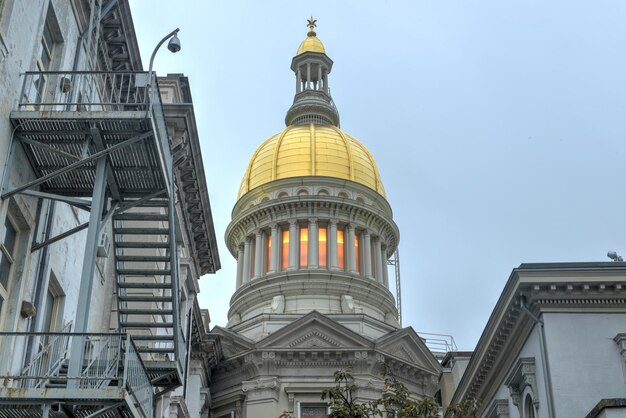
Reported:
(356, 252)
(268, 250)
(304, 246)
(341, 257)
(322, 248)
(284, 254)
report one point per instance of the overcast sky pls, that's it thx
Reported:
(498, 127)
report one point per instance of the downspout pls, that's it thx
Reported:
(544, 354)
(40, 276)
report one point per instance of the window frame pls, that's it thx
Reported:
(5, 291)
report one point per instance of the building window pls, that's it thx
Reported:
(304, 246)
(284, 253)
(341, 250)
(7, 261)
(529, 407)
(322, 247)
(356, 252)
(312, 411)
(45, 58)
(52, 308)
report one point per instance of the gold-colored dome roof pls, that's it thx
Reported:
(311, 44)
(311, 150)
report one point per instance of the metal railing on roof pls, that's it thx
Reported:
(88, 91)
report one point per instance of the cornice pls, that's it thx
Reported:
(547, 288)
(311, 282)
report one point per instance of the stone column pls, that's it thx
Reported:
(366, 262)
(293, 245)
(313, 260)
(351, 254)
(298, 81)
(319, 77)
(332, 245)
(240, 262)
(378, 258)
(246, 261)
(325, 77)
(308, 75)
(258, 255)
(276, 243)
(385, 267)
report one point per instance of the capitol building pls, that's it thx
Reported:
(312, 233)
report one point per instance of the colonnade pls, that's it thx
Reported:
(311, 244)
(308, 81)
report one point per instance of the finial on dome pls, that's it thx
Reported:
(312, 23)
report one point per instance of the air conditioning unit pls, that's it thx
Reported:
(104, 246)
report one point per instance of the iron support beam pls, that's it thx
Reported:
(48, 147)
(74, 201)
(113, 187)
(77, 164)
(174, 274)
(38, 245)
(89, 263)
(104, 410)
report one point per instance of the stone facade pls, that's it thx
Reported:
(553, 345)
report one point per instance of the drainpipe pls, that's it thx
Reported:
(544, 354)
(40, 274)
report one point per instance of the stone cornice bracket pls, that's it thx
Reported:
(522, 376)
(498, 409)
(620, 339)
(262, 388)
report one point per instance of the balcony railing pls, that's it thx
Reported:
(111, 361)
(88, 91)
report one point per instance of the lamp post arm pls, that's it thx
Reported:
(165, 38)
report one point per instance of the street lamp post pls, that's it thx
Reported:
(173, 46)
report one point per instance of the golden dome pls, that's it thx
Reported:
(311, 150)
(311, 44)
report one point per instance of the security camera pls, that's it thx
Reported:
(614, 256)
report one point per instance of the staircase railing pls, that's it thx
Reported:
(103, 367)
(48, 360)
(111, 360)
(137, 380)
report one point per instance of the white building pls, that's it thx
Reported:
(554, 346)
(105, 222)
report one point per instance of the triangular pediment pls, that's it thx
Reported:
(405, 345)
(314, 330)
(232, 343)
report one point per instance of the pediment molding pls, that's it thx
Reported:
(314, 331)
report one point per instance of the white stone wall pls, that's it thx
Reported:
(585, 362)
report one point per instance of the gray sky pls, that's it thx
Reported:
(498, 127)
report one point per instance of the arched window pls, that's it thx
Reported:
(304, 246)
(322, 247)
(284, 251)
(356, 252)
(529, 407)
(341, 250)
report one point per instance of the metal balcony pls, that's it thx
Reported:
(102, 136)
(113, 381)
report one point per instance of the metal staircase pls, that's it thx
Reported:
(147, 296)
(110, 156)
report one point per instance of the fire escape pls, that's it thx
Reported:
(97, 140)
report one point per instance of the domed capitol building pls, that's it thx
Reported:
(312, 233)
